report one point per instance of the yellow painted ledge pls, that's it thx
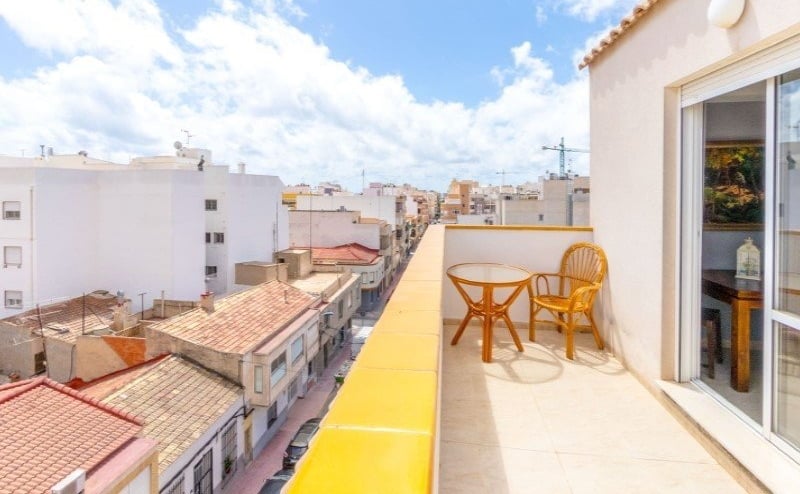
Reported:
(400, 351)
(385, 400)
(380, 434)
(365, 461)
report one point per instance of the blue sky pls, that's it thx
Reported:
(309, 90)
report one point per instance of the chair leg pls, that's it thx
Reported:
(597, 338)
(532, 322)
(569, 329)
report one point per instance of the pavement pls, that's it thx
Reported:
(270, 459)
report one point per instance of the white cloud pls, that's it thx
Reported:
(541, 15)
(589, 10)
(254, 88)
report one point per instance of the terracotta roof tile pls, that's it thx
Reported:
(49, 430)
(625, 24)
(178, 401)
(352, 253)
(67, 320)
(241, 321)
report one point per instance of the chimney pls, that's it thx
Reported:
(242, 167)
(207, 301)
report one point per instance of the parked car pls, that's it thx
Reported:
(300, 441)
(274, 484)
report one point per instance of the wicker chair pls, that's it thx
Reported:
(583, 268)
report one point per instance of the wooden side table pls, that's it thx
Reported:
(488, 276)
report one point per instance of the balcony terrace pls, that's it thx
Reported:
(417, 415)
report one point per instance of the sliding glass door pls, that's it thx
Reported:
(787, 261)
(740, 252)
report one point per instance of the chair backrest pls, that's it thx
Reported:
(583, 264)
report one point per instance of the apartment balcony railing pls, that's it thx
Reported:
(417, 415)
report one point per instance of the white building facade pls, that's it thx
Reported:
(71, 224)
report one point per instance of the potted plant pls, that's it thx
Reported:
(227, 464)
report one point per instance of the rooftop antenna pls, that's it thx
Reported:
(188, 135)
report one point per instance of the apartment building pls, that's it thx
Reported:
(71, 223)
(263, 339)
(195, 416)
(457, 200)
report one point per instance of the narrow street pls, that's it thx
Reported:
(315, 404)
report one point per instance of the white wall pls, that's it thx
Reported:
(381, 207)
(331, 229)
(538, 251)
(635, 161)
(148, 234)
(255, 220)
(15, 185)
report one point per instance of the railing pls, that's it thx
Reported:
(381, 433)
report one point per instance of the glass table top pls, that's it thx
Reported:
(489, 273)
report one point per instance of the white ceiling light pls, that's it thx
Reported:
(725, 13)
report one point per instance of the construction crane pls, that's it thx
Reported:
(562, 174)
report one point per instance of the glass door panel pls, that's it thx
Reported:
(731, 342)
(787, 261)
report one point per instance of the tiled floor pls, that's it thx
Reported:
(537, 422)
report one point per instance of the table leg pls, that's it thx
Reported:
(462, 326)
(740, 345)
(487, 323)
(513, 331)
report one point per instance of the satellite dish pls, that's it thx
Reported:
(177, 145)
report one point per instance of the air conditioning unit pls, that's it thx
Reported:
(71, 484)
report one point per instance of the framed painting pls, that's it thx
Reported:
(733, 189)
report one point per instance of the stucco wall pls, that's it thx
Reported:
(634, 163)
(331, 229)
(98, 356)
(17, 350)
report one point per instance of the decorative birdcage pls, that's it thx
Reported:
(748, 261)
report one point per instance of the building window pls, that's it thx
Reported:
(12, 256)
(13, 299)
(341, 308)
(364, 278)
(229, 450)
(277, 369)
(258, 378)
(211, 271)
(176, 487)
(11, 210)
(293, 387)
(211, 204)
(208, 237)
(541, 217)
(349, 299)
(297, 349)
(219, 238)
(202, 474)
(272, 414)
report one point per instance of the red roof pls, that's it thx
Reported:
(49, 430)
(353, 253)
